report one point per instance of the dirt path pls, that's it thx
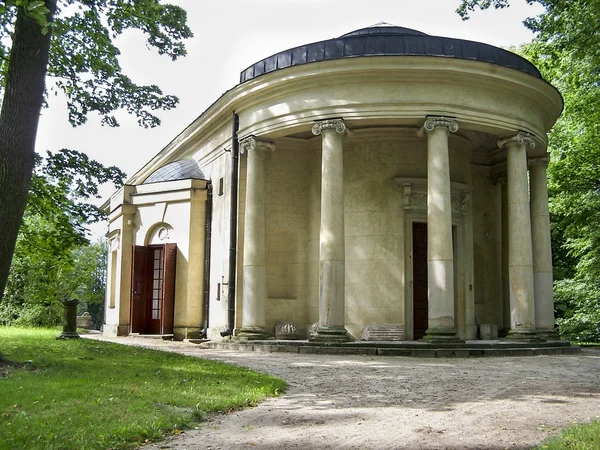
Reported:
(374, 402)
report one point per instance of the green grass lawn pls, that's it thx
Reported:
(577, 437)
(85, 394)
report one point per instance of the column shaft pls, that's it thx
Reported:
(520, 259)
(542, 251)
(440, 257)
(332, 251)
(254, 270)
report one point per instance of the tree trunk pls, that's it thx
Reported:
(23, 97)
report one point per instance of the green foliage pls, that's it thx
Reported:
(59, 208)
(37, 283)
(567, 52)
(35, 10)
(580, 437)
(578, 309)
(468, 6)
(89, 274)
(53, 259)
(85, 394)
(84, 60)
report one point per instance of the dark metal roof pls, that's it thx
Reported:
(387, 40)
(383, 28)
(183, 169)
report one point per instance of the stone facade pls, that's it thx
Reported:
(339, 160)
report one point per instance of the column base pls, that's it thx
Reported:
(182, 333)
(330, 334)
(253, 334)
(68, 335)
(524, 334)
(434, 335)
(549, 335)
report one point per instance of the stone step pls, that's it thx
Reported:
(382, 333)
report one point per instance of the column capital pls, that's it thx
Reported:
(520, 138)
(539, 161)
(431, 123)
(337, 125)
(253, 143)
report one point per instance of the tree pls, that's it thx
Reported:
(53, 260)
(73, 42)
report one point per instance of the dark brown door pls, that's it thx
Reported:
(153, 289)
(420, 317)
(140, 289)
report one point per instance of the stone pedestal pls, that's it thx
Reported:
(254, 270)
(542, 250)
(332, 251)
(440, 258)
(520, 259)
(488, 331)
(70, 320)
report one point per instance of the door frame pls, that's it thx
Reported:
(163, 325)
(420, 216)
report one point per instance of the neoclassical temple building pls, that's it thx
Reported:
(383, 183)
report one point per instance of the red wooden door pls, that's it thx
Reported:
(140, 295)
(420, 312)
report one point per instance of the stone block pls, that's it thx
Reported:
(382, 333)
(259, 348)
(488, 331)
(548, 351)
(287, 330)
(393, 352)
(366, 351)
(423, 353)
(356, 248)
(306, 350)
(84, 321)
(515, 352)
(384, 247)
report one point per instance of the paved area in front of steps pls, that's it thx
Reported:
(375, 402)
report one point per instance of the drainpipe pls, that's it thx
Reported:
(235, 152)
(207, 243)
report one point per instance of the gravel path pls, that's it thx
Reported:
(374, 402)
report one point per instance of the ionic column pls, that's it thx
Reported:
(520, 259)
(440, 257)
(542, 251)
(254, 271)
(332, 252)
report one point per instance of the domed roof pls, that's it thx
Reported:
(384, 39)
(183, 169)
(383, 28)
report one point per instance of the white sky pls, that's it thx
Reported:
(230, 35)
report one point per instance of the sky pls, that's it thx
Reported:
(230, 35)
